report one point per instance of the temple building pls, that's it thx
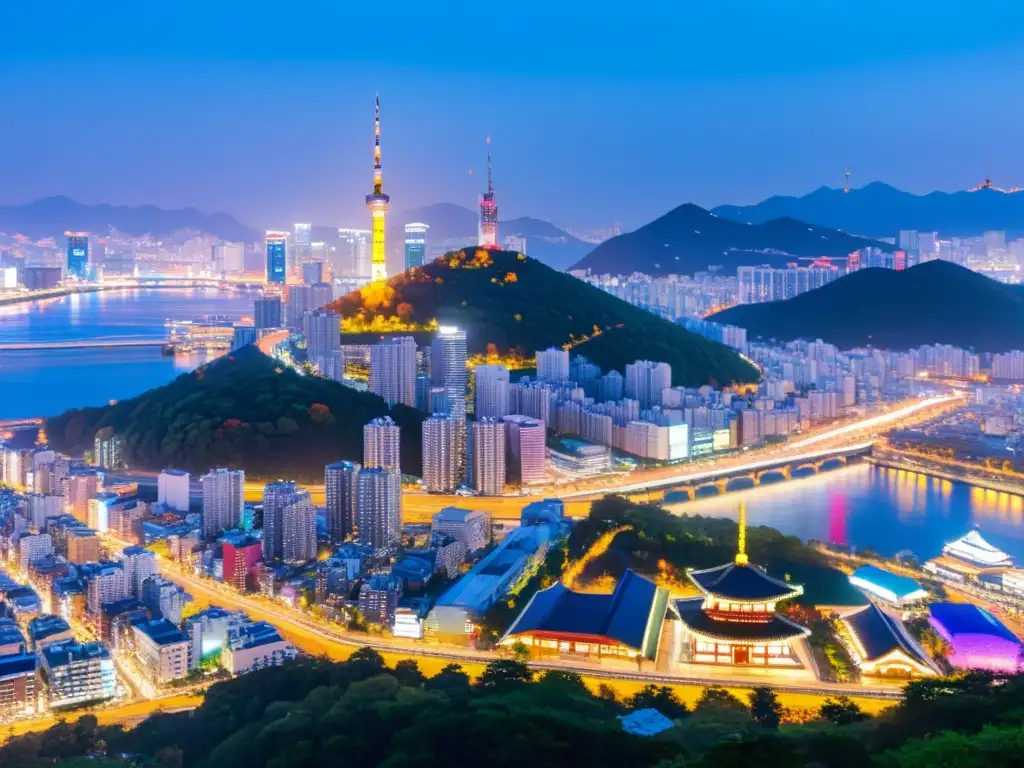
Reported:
(969, 557)
(625, 624)
(734, 622)
(881, 646)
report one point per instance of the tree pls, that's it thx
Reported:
(407, 672)
(563, 678)
(841, 710)
(451, 680)
(365, 663)
(170, 757)
(501, 675)
(520, 651)
(714, 697)
(661, 698)
(935, 644)
(765, 707)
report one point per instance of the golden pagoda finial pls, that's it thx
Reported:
(741, 549)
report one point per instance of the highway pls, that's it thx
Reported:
(81, 344)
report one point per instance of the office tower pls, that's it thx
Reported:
(415, 245)
(525, 454)
(312, 272)
(378, 202)
(108, 449)
(78, 253)
(243, 336)
(277, 498)
(393, 370)
(322, 329)
(489, 456)
(138, 564)
(440, 452)
(306, 298)
(438, 400)
(353, 252)
(448, 369)
(267, 313)
(298, 524)
(223, 500)
(490, 391)
(173, 489)
(488, 234)
(303, 244)
(228, 258)
(553, 364)
(277, 257)
(422, 391)
(610, 387)
(379, 507)
(382, 444)
(340, 487)
(645, 380)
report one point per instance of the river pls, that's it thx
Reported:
(48, 382)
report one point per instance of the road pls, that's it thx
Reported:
(125, 714)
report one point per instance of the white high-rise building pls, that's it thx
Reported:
(553, 364)
(138, 564)
(228, 258)
(322, 329)
(393, 370)
(379, 507)
(353, 253)
(277, 497)
(490, 391)
(173, 489)
(382, 444)
(298, 534)
(440, 450)
(448, 369)
(223, 500)
(340, 480)
(645, 380)
(489, 469)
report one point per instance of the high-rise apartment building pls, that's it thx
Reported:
(322, 329)
(382, 445)
(353, 253)
(81, 487)
(277, 498)
(138, 564)
(553, 364)
(228, 258)
(223, 500)
(342, 497)
(440, 450)
(393, 370)
(448, 369)
(489, 469)
(267, 313)
(379, 507)
(645, 380)
(306, 298)
(173, 489)
(298, 535)
(490, 391)
(277, 256)
(526, 451)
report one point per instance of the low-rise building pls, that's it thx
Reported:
(162, 650)
(48, 629)
(208, 631)
(881, 646)
(18, 684)
(77, 673)
(378, 599)
(255, 645)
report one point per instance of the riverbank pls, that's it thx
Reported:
(937, 469)
(52, 293)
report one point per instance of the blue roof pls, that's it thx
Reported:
(879, 634)
(162, 632)
(622, 616)
(967, 619)
(743, 583)
(17, 665)
(901, 586)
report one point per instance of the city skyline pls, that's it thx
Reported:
(559, 117)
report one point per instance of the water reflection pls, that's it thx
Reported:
(887, 510)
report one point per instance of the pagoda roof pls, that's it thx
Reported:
(743, 583)
(973, 548)
(775, 629)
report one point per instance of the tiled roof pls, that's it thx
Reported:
(744, 583)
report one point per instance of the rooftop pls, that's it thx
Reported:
(744, 583)
(967, 619)
(774, 629)
(161, 632)
(889, 586)
(17, 665)
(253, 634)
(62, 654)
(457, 515)
(974, 549)
(877, 633)
(47, 625)
(645, 722)
(9, 633)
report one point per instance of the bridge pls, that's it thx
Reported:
(33, 346)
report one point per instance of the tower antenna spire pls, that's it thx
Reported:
(377, 202)
(741, 544)
(488, 233)
(846, 189)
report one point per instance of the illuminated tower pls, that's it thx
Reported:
(488, 209)
(846, 189)
(378, 205)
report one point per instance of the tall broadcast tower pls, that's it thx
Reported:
(378, 205)
(489, 209)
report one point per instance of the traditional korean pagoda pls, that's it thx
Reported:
(734, 622)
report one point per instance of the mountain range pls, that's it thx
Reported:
(936, 302)
(689, 239)
(544, 241)
(880, 210)
(52, 216)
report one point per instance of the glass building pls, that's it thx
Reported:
(78, 253)
(277, 257)
(415, 244)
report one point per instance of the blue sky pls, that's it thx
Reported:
(600, 111)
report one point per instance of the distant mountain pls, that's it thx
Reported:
(934, 303)
(52, 216)
(508, 303)
(544, 241)
(689, 238)
(879, 210)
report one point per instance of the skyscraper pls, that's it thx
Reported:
(448, 369)
(379, 507)
(526, 452)
(393, 370)
(303, 244)
(440, 449)
(378, 202)
(340, 479)
(352, 253)
(553, 364)
(415, 244)
(489, 469)
(223, 500)
(488, 209)
(322, 329)
(277, 256)
(78, 253)
(282, 523)
(267, 313)
(382, 445)
(645, 380)
(298, 522)
(490, 391)
(306, 298)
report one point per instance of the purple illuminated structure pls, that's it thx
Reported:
(977, 638)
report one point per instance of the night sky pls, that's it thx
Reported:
(600, 111)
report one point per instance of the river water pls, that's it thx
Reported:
(48, 382)
(861, 505)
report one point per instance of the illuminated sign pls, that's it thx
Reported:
(678, 442)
